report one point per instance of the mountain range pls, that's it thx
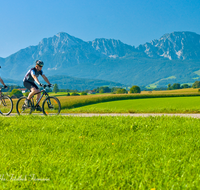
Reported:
(174, 58)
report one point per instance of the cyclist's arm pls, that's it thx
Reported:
(35, 79)
(46, 79)
(2, 81)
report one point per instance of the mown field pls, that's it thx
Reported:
(144, 105)
(99, 153)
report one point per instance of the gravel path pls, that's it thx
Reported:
(131, 115)
(124, 114)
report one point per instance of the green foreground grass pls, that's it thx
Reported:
(99, 153)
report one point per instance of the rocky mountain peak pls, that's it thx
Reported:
(176, 45)
(111, 47)
(58, 43)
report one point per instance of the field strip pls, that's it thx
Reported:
(121, 114)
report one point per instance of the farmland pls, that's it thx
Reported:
(172, 101)
(144, 105)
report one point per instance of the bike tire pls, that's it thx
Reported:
(51, 106)
(6, 105)
(21, 108)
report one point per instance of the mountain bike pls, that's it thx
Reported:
(50, 106)
(6, 104)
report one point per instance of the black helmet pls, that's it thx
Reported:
(40, 63)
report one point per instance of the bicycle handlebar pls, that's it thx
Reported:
(47, 85)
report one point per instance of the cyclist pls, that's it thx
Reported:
(29, 82)
(1, 80)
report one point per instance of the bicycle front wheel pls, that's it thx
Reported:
(51, 106)
(6, 105)
(22, 108)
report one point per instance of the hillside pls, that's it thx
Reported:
(73, 83)
(66, 82)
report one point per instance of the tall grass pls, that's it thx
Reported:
(99, 153)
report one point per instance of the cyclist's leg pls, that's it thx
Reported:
(32, 93)
(32, 87)
(38, 96)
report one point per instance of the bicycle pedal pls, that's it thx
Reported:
(38, 108)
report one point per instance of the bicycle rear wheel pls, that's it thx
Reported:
(51, 106)
(6, 105)
(22, 108)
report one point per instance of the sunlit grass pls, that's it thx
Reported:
(146, 105)
(99, 153)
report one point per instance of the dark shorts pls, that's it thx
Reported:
(29, 85)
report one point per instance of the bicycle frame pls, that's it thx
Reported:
(44, 93)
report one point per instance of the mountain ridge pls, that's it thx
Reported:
(112, 60)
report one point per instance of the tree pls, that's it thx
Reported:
(169, 87)
(196, 84)
(104, 89)
(55, 88)
(101, 91)
(185, 86)
(135, 89)
(16, 92)
(176, 86)
(121, 91)
(83, 93)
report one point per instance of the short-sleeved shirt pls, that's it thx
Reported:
(28, 76)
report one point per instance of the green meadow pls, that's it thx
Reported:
(99, 153)
(144, 105)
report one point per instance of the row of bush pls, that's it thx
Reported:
(134, 89)
(18, 93)
(196, 84)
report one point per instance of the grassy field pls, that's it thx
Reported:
(99, 153)
(78, 101)
(147, 105)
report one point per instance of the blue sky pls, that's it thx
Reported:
(134, 22)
